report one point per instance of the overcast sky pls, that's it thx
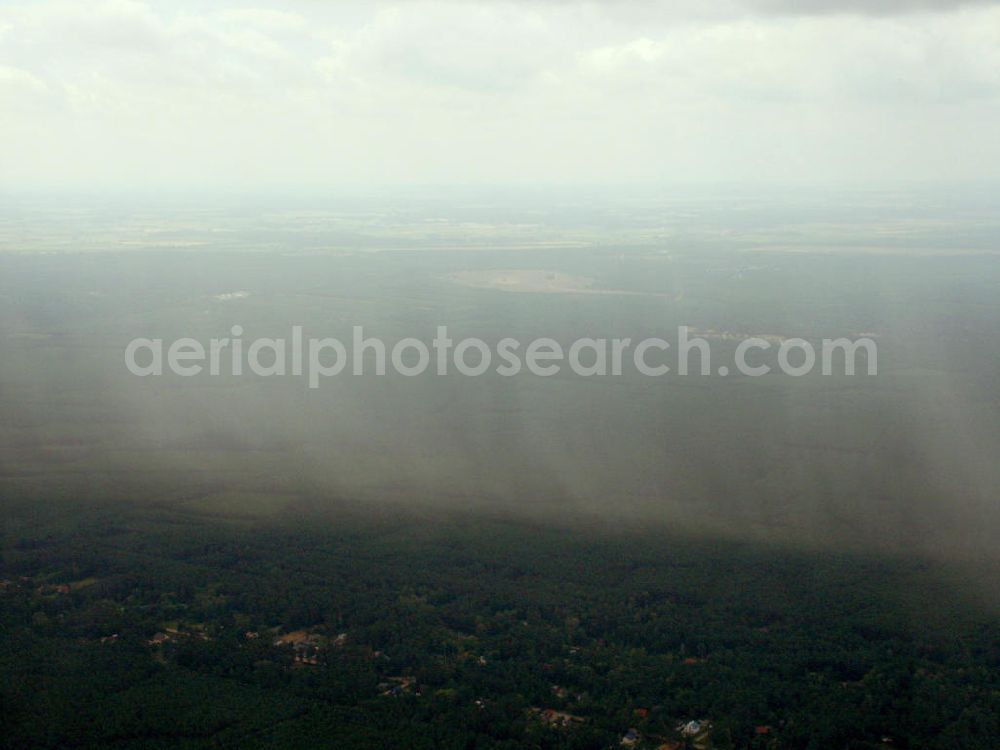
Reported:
(173, 94)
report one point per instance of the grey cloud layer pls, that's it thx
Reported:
(126, 92)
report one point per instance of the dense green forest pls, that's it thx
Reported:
(143, 627)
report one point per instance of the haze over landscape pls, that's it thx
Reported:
(804, 459)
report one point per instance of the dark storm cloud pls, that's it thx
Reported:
(865, 7)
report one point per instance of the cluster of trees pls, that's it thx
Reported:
(487, 619)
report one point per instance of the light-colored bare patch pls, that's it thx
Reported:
(531, 280)
(535, 281)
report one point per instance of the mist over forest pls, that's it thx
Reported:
(898, 462)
